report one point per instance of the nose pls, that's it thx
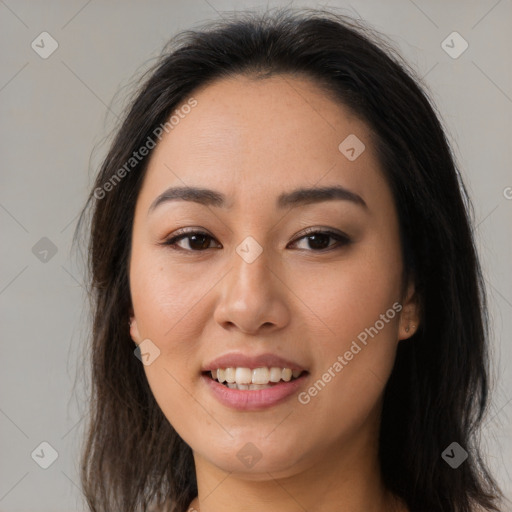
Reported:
(253, 297)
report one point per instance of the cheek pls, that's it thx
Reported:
(344, 297)
(174, 394)
(357, 301)
(165, 303)
(166, 299)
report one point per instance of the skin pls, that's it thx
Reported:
(253, 140)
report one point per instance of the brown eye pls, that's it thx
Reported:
(198, 241)
(318, 241)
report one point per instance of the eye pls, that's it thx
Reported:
(199, 241)
(319, 239)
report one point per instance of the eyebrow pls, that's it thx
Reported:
(298, 197)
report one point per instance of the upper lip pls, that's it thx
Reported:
(238, 360)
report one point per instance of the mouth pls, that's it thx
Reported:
(248, 379)
(253, 389)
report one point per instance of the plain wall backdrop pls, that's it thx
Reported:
(56, 110)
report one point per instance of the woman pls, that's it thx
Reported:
(272, 371)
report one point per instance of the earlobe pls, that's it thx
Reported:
(407, 331)
(410, 317)
(134, 330)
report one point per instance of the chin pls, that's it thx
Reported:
(260, 470)
(255, 459)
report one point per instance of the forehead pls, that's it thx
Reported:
(249, 137)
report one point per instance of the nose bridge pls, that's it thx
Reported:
(251, 277)
(252, 296)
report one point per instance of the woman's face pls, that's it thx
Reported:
(257, 290)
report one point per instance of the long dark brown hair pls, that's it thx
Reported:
(438, 390)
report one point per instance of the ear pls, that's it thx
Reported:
(410, 315)
(134, 330)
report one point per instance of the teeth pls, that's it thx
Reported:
(257, 378)
(287, 374)
(258, 386)
(275, 374)
(230, 374)
(234, 385)
(260, 376)
(243, 376)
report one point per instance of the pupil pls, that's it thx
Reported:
(315, 238)
(203, 245)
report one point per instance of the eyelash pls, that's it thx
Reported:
(342, 240)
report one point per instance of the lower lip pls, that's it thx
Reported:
(254, 399)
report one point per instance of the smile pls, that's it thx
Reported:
(253, 379)
(264, 390)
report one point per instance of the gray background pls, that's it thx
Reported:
(54, 111)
